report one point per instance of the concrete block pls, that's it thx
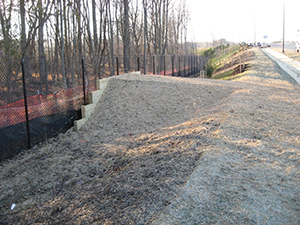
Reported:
(87, 110)
(79, 123)
(94, 97)
(136, 73)
(102, 83)
(131, 73)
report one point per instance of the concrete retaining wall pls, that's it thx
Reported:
(94, 97)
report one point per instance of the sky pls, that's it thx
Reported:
(240, 20)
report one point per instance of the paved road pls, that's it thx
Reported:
(292, 67)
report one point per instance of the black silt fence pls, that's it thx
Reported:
(40, 99)
(43, 103)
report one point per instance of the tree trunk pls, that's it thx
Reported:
(145, 35)
(95, 26)
(126, 41)
(117, 27)
(23, 29)
(63, 69)
(112, 71)
(56, 46)
(42, 60)
(79, 37)
(166, 16)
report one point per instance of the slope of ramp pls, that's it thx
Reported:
(126, 163)
(168, 151)
(251, 175)
(136, 104)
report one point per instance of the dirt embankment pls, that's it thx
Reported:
(169, 151)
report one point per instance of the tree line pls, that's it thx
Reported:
(53, 35)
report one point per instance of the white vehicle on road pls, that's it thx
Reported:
(297, 46)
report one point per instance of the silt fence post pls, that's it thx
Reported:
(26, 106)
(83, 82)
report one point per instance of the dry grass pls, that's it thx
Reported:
(291, 54)
(169, 151)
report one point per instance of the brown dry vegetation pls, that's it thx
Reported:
(168, 150)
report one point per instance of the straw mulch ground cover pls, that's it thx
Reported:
(169, 151)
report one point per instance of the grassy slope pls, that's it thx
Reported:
(225, 55)
(228, 72)
(218, 58)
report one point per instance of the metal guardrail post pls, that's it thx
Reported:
(26, 106)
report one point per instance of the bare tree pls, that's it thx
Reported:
(6, 45)
(126, 39)
(105, 28)
(137, 27)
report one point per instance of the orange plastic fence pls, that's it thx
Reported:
(39, 105)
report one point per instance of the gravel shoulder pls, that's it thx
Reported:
(167, 150)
